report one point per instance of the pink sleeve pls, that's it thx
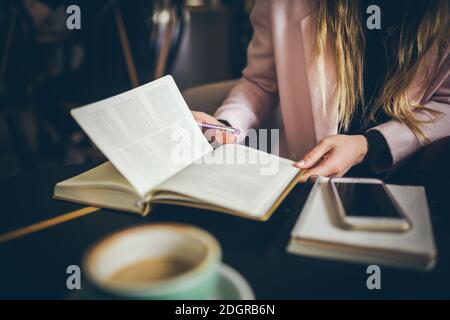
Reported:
(256, 93)
(401, 140)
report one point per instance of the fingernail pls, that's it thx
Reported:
(301, 163)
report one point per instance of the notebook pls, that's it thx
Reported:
(316, 235)
(158, 154)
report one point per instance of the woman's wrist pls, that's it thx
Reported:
(363, 147)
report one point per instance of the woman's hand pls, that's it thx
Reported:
(218, 136)
(334, 156)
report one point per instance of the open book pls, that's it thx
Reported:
(158, 154)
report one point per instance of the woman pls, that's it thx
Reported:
(349, 95)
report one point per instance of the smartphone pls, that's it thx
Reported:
(367, 204)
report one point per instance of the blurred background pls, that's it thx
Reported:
(47, 69)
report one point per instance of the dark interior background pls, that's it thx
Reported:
(47, 69)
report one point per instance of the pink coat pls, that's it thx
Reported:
(281, 72)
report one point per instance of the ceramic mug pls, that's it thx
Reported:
(155, 261)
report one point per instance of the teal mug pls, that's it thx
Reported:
(155, 261)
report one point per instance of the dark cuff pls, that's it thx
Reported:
(225, 122)
(378, 158)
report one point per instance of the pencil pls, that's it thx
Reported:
(217, 127)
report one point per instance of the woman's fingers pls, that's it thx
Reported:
(213, 135)
(334, 156)
(223, 137)
(204, 117)
(326, 168)
(315, 155)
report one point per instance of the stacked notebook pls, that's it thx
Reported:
(316, 235)
(158, 154)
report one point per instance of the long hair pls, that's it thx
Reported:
(340, 25)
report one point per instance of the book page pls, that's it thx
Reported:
(148, 133)
(235, 177)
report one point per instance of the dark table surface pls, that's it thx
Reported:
(34, 266)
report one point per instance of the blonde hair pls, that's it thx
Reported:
(340, 26)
